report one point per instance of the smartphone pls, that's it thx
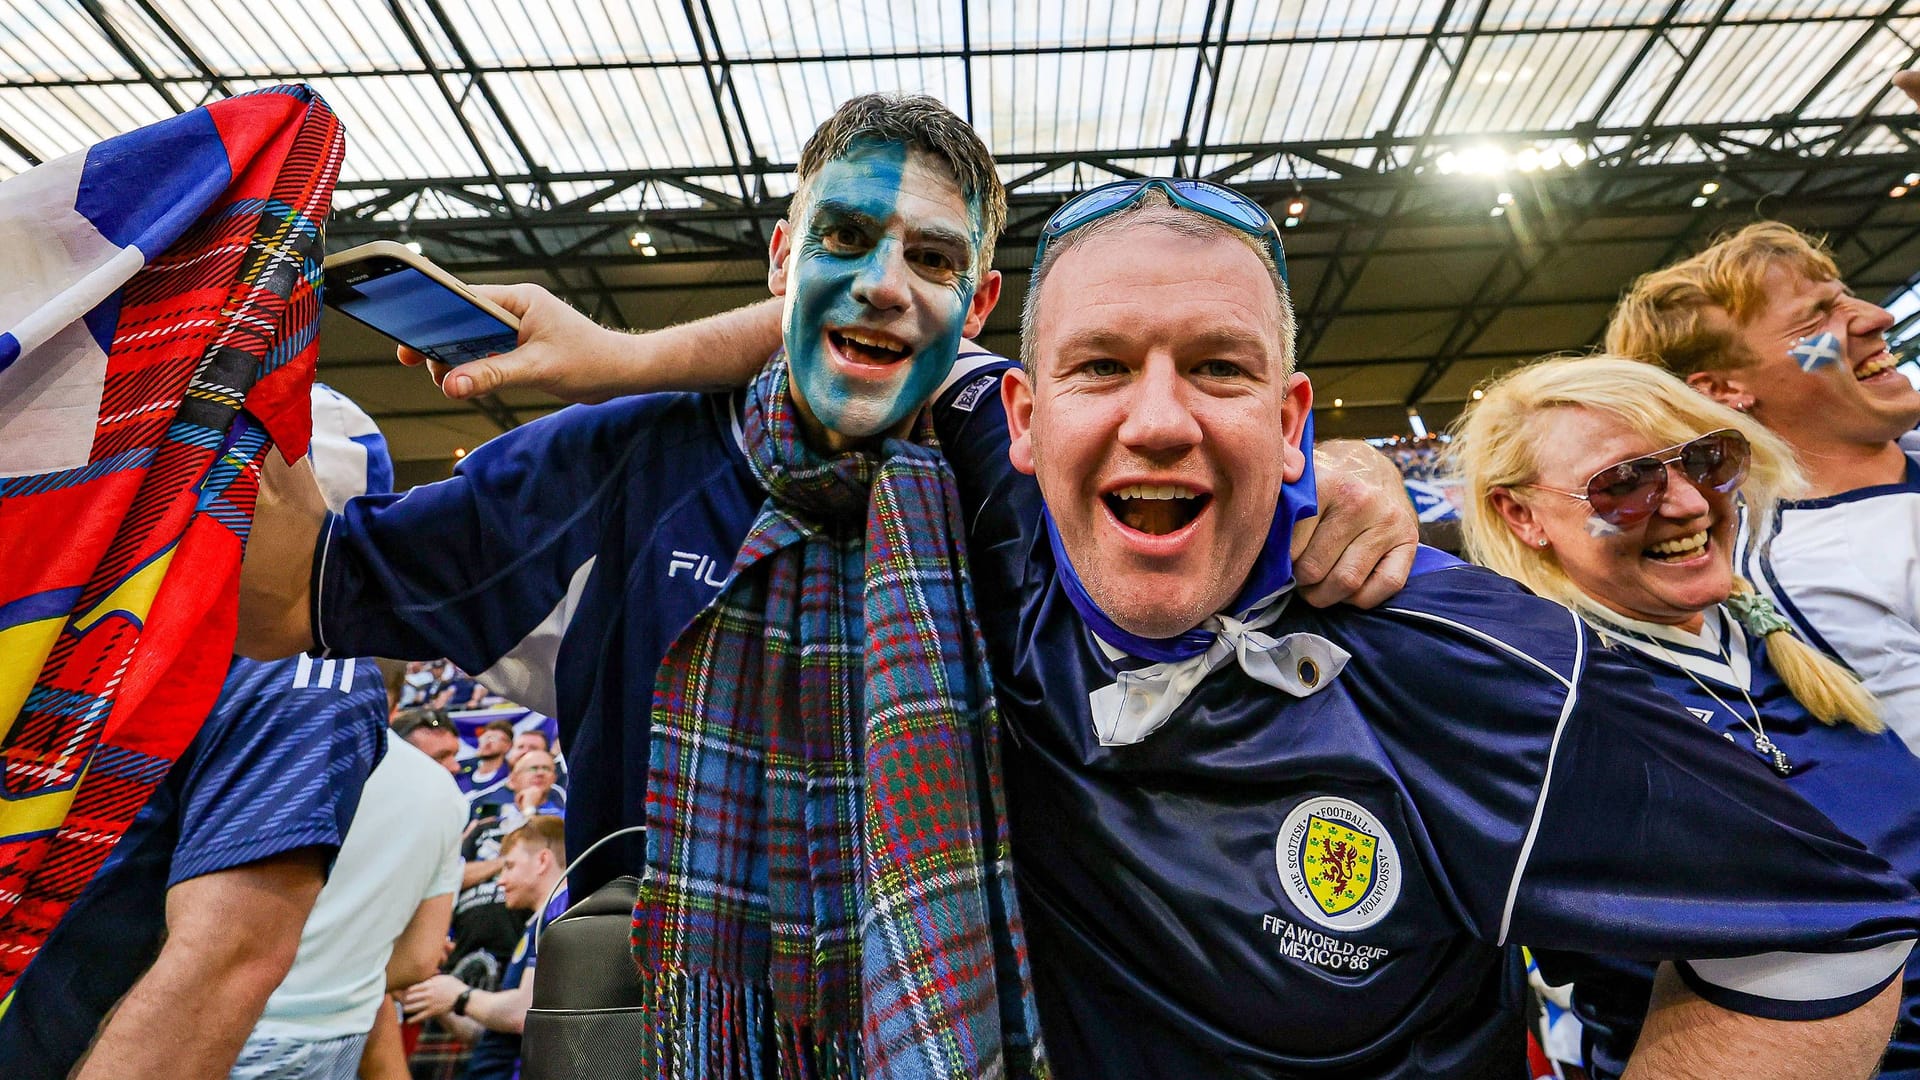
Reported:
(400, 293)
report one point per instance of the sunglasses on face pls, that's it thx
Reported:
(1628, 493)
(1221, 204)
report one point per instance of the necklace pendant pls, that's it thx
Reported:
(1779, 757)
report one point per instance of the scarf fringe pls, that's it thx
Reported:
(703, 1028)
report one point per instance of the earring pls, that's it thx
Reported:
(1744, 405)
(1543, 541)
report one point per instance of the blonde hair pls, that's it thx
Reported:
(1495, 445)
(1668, 317)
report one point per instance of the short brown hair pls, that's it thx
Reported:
(541, 830)
(505, 727)
(921, 123)
(1668, 316)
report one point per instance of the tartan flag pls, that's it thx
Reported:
(153, 285)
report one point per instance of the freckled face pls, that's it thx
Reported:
(880, 279)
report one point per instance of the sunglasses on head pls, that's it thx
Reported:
(1628, 493)
(1221, 204)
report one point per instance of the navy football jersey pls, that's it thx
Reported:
(1272, 885)
(277, 766)
(1868, 784)
(558, 563)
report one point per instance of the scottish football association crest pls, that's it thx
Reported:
(1338, 864)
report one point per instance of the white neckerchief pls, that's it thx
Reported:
(1717, 652)
(1130, 709)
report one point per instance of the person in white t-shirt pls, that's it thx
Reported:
(377, 927)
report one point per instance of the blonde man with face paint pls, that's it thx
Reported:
(1762, 323)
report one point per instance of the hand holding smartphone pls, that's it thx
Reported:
(403, 295)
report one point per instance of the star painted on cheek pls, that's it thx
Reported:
(1599, 527)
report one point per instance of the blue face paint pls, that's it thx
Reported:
(1816, 350)
(884, 264)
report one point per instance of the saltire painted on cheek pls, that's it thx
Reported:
(155, 285)
(1816, 350)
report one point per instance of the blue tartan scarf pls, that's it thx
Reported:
(828, 892)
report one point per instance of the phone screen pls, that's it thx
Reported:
(407, 305)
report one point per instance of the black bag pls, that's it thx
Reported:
(586, 1021)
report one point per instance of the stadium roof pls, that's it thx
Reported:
(1476, 179)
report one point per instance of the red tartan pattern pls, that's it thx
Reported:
(222, 318)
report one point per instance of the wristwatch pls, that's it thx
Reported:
(460, 1003)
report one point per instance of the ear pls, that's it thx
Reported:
(1518, 516)
(1016, 394)
(1293, 424)
(778, 251)
(985, 296)
(1726, 387)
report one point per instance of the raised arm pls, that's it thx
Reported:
(576, 359)
(1687, 1037)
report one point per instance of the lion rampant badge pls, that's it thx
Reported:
(1337, 863)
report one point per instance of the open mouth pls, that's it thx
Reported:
(1156, 509)
(1678, 549)
(868, 347)
(1882, 361)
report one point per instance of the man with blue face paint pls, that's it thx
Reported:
(751, 615)
(878, 267)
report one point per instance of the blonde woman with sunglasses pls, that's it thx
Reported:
(1612, 487)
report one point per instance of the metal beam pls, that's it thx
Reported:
(120, 45)
(720, 86)
(186, 49)
(1340, 282)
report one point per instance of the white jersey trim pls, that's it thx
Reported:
(966, 367)
(1546, 779)
(1553, 749)
(1788, 976)
(524, 673)
(1491, 640)
(314, 591)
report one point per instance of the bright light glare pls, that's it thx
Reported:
(649, 251)
(1292, 221)
(1505, 198)
(1709, 187)
(413, 246)
(1572, 155)
(1498, 211)
(1527, 160)
(1448, 163)
(1699, 200)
